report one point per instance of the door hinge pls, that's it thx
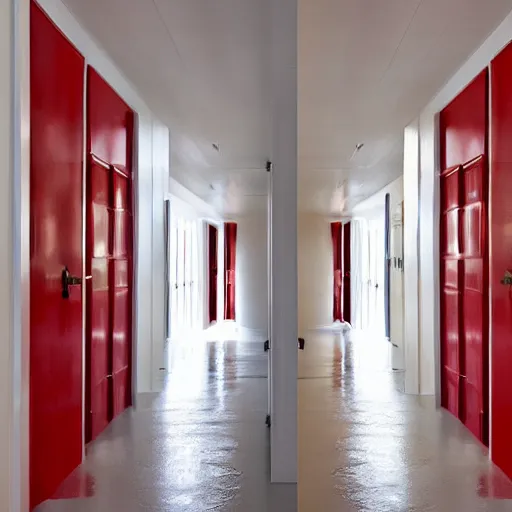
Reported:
(269, 166)
(266, 346)
(267, 421)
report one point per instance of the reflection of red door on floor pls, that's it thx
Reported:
(108, 255)
(464, 257)
(501, 155)
(212, 272)
(57, 73)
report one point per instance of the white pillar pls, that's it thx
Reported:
(251, 273)
(14, 255)
(284, 242)
(411, 258)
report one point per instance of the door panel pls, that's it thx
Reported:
(464, 257)
(109, 255)
(501, 236)
(98, 303)
(212, 272)
(337, 258)
(387, 266)
(346, 274)
(121, 293)
(56, 94)
(230, 229)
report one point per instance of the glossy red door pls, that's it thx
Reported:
(121, 289)
(212, 272)
(501, 236)
(56, 94)
(346, 273)
(108, 255)
(475, 298)
(337, 261)
(230, 229)
(450, 289)
(98, 253)
(464, 257)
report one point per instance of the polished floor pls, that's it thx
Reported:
(202, 445)
(363, 446)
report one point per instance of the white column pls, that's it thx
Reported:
(160, 184)
(251, 273)
(429, 207)
(14, 256)
(284, 242)
(411, 258)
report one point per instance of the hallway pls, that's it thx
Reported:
(202, 444)
(365, 447)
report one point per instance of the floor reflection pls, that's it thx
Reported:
(364, 446)
(200, 445)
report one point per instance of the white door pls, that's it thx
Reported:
(376, 276)
(397, 287)
(173, 261)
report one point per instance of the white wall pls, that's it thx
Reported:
(315, 277)
(283, 243)
(411, 260)
(14, 256)
(251, 272)
(374, 206)
(429, 204)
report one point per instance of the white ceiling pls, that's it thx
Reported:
(366, 69)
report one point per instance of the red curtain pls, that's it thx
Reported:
(212, 273)
(346, 272)
(336, 234)
(229, 269)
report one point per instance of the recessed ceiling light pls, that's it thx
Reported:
(216, 147)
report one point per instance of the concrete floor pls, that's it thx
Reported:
(363, 446)
(366, 447)
(202, 445)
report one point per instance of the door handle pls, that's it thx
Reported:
(507, 278)
(68, 280)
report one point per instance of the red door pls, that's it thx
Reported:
(212, 272)
(230, 229)
(464, 257)
(337, 259)
(56, 94)
(501, 262)
(108, 255)
(346, 273)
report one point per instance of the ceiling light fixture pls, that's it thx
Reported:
(358, 148)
